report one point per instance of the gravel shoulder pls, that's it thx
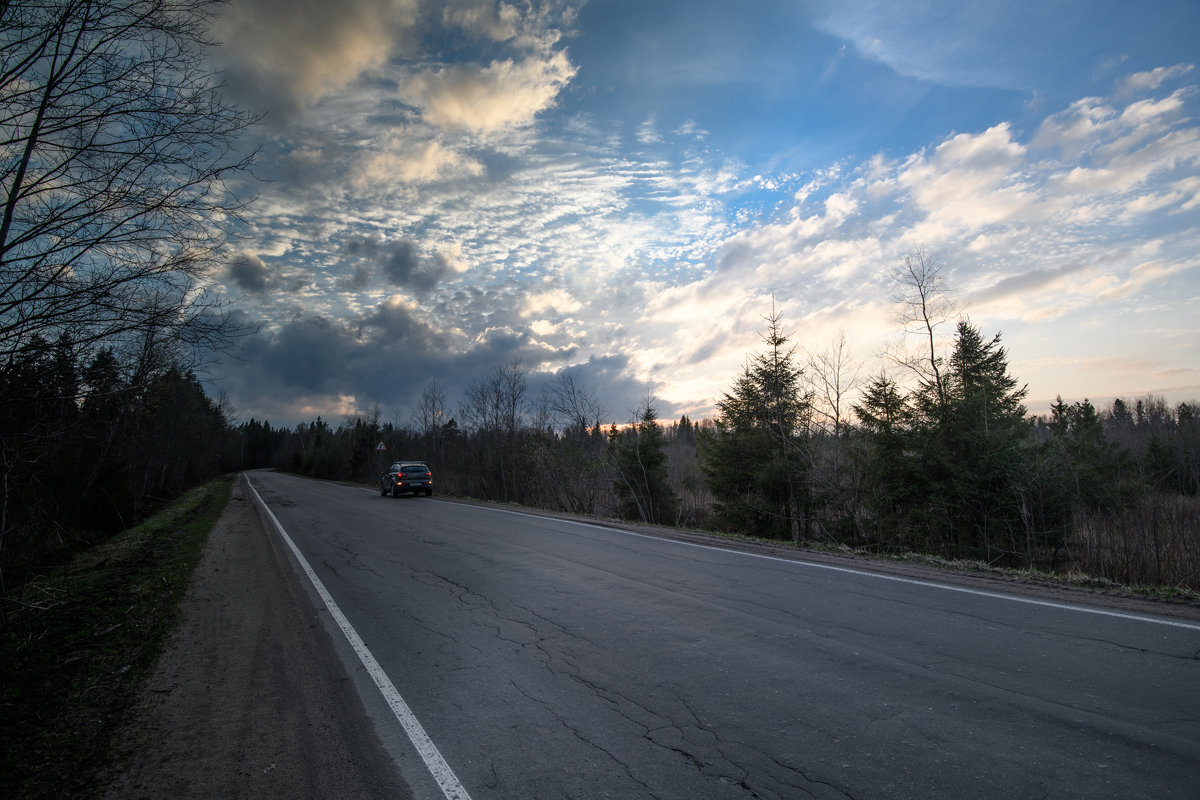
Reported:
(250, 698)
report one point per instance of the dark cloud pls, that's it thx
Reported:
(611, 382)
(363, 248)
(313, 353)
(284, 58)
(401, 263)
(359, 278)
(392, 324)
(249, 273)
(387, 357)
(257, 277)
(405, 267)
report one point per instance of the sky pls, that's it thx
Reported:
(625, 191)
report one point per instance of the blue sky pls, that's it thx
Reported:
(622, 188)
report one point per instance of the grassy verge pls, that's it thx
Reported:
(78, 644)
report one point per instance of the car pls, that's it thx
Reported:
(406, 477)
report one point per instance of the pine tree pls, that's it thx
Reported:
(973, 447)
(881, 441)
(755, 459)
(638, 455)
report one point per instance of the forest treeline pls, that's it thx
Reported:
(953, 467)
(91, 445)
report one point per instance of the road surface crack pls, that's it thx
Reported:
(549, 708)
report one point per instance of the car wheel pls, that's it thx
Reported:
(429, 492)
(382, 490)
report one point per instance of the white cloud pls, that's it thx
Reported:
(1145, 112)
(541, 327)
(1151, 79)
(499, 22)
(1076, 129)
(1188, 190)
(557, 301)
(647, 133)
(503, 94)
(839, 206)
(969, 182)
(1141, 275)
(423, 163)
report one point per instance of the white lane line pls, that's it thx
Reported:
(867, 574)
(445, 777)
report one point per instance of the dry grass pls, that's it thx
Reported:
(1157, 542)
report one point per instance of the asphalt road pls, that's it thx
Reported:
(547, 658)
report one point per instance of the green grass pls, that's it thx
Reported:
(77, 645)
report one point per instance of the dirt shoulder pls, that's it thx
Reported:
(250, 699)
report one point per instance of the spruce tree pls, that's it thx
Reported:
(756, 460)
(881, 442)
(972, 449)
(639, 458)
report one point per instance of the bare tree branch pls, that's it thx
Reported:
(116, 151)
(926, 302)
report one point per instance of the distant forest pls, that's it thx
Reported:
(953, 466)
(960, 472)
(949, 464)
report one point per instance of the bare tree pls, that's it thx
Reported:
(495, 404)
(116, 146)
(926, 302)
(429, 415)
(572, 406)
(494, 409)
(834, 375)
(565, 458)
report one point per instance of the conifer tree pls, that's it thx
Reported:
(972, 442)
(885, 421)
(756, 460)
(639, 458)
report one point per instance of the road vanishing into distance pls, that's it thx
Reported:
(551, 658)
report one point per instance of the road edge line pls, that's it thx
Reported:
(932, 584)
(442, 773)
